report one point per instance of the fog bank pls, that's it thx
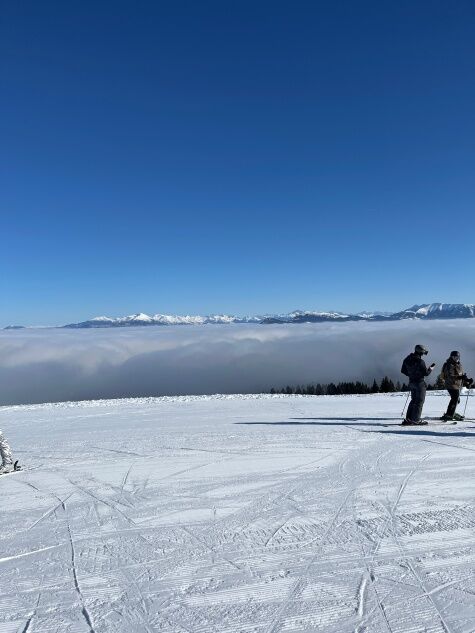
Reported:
(49, 365)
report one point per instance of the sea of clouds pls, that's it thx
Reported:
(52, 365)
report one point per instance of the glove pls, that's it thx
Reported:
(468, 382)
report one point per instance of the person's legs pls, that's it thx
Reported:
(5, 452)
(454, 400)
(419, 396)
(411, 409)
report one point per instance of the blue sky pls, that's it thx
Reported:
(240, 157)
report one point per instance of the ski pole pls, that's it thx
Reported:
(466, 402)
(405, 404)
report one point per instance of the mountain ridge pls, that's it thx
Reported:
(426, 311)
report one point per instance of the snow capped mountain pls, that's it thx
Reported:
(162, 319)
(426, 311)
(367, 314)
(449, 311)
(438, 311)
(299, 316)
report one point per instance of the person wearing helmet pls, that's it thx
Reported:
(454, 378)
(416, 370)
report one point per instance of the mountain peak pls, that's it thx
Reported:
(425, 311)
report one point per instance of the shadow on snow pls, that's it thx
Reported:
(423, 431)
(351, 419)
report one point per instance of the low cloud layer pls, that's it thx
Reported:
(58, 365)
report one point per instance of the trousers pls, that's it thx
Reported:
(454, 400)
(418, 396)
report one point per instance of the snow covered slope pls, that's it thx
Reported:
(237, 513)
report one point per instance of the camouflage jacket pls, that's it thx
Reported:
(453, 373)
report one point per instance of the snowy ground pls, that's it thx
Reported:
(237, 514)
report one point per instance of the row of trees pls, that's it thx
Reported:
(342, 388)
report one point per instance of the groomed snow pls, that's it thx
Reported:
(237, 513)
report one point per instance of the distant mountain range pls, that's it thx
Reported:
(426, 312)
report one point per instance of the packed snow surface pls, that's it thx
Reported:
(237, 513)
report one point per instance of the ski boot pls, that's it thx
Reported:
(407, 422)
(458, 417)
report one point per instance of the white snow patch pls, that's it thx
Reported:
(237, 513)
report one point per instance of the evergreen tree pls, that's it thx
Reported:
(349, 388)
(387, 385)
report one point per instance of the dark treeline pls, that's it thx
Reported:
(343, 388)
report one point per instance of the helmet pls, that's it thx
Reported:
(420, 349)
(455, 354)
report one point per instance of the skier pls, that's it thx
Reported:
(416, 370)
(6, 455)
(454, 378)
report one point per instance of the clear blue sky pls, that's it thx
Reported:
(240, 157)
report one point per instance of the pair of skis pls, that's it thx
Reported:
(438, 421)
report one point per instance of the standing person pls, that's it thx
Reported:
(454, 378)
(416, 370)
(6, 456)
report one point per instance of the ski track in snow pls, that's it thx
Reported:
(252, 514)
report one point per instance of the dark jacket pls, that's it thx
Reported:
(415, 368)
(453, 374)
